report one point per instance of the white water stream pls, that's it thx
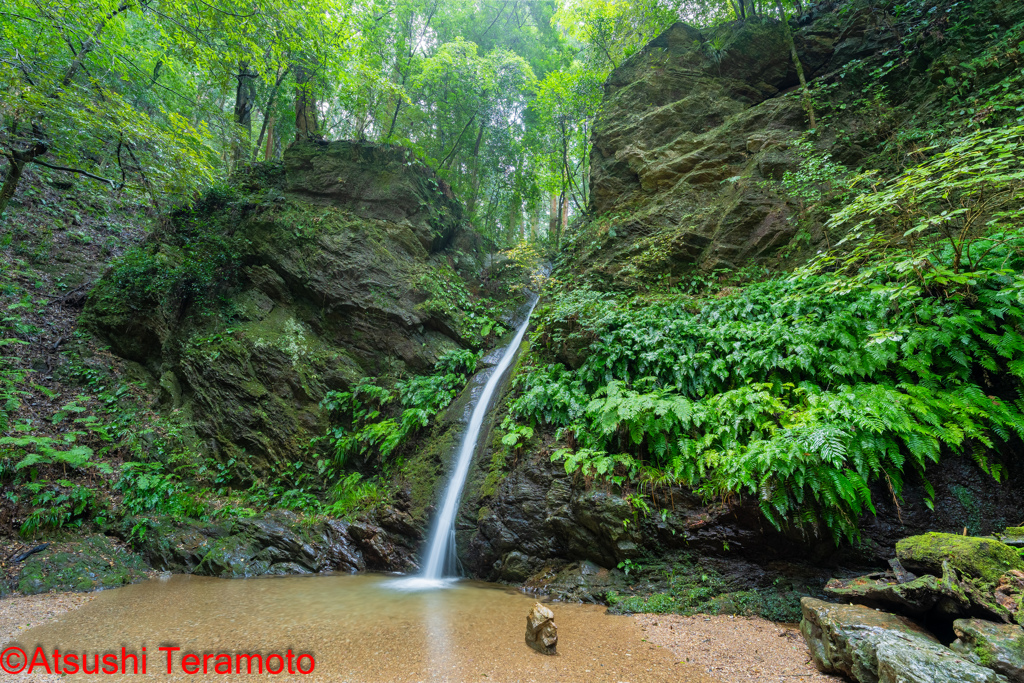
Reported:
(440, 554)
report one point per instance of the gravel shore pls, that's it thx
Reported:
(735, 649)
(21, 613)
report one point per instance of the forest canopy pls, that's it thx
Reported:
(161, 98)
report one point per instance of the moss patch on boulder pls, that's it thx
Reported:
(93, 563)
(979, 558)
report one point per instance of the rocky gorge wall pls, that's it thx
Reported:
(697, 128)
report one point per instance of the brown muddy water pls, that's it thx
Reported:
(358, 629)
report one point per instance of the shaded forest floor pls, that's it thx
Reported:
(58, 237)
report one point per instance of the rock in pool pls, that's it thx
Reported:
(541, 632)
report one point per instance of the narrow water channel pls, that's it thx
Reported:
(358, 629)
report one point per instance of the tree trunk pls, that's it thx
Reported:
(305, 105)
(476, 170)
(559, 216)
(90, 44)
(17, 161)
(513, 220)
(270, 140)
(805, 95)
(245, 95)
(553, 216)
(10, 182)
(268, 119)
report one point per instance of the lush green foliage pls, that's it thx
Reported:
(11, 378)
(803, 391)
(450, 297)
(361, 426)
(200, 259)
(38, 464)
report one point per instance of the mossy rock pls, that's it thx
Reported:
(999, 647)
(912, 598)
(1012, 536)
(871, 646)
(978, 558)
(246, 310)
(95, 563)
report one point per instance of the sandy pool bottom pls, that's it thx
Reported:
(359, 629)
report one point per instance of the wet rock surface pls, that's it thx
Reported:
(969, 596)
(541, 632)
(91, 563)
(963, 576)
(999, 647)
(277, 543)
(576, 582)
(537, 514)
(869, 646)
(539, 527)
(916, 597)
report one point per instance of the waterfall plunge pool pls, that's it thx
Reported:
(359, 628)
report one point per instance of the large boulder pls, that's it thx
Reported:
(977, 558)
(869, 646)
(242, 312)
(1000, 647)
(913, 598)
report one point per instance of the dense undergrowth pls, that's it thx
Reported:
(803, 390)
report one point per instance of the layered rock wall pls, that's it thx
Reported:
(329, 270)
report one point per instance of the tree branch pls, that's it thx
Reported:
(112, 184)
(91, 43)
(455, 146)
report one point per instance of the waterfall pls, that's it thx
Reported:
(442, 539)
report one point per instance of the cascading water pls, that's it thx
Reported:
(441, 548)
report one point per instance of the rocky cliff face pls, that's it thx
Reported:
(696, 127)
(675, 126)
(291, 282)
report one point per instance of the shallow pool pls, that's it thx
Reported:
(359, 628)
